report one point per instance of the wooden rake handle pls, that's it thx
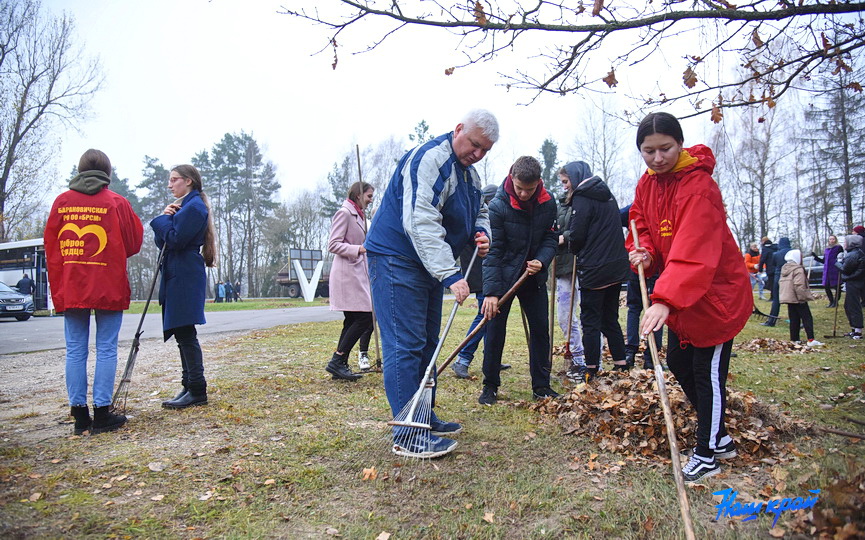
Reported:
(507, 296)
(684, 506)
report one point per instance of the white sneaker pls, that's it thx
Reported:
(814, 343)
(363, 362)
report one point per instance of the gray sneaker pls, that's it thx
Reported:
(460, 370)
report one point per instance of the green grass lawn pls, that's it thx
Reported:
(283, 451)
(253, 303)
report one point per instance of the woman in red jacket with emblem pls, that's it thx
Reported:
(703, 291)
(90, 233)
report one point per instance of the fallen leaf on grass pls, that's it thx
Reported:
(489, 517)
(370, 474)
(35, 496)
(383, 536)
(331, 531)
(777, 532)
(206, 496)
(157, 497)
(649, 524)
(269, 482)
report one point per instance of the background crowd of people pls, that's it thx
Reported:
(779, 269)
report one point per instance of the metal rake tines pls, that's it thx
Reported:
(759, 315)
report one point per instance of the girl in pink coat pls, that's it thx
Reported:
(349, 281)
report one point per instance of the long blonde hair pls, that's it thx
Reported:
(208, 250)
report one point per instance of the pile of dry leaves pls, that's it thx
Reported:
(763, 344)
(622, 413)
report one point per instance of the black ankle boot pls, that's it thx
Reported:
(196, 395)
(82, 419)
(182, 393)
(105, 420)
(338, 368)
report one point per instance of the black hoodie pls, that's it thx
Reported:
(596, 234)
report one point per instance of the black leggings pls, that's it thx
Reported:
(356, 326)
(830, 290)
(599, 314)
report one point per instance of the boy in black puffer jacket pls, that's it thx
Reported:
(521, 221)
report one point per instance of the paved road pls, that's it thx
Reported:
(46, 333)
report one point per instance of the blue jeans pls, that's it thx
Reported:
(776, 299)
(408, 306)
(468, 353)
(76, 324)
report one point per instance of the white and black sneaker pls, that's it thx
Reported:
(363, 362)
(699, 467)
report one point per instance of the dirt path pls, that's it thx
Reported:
(33, 400)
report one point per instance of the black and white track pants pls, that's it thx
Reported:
(702, 373)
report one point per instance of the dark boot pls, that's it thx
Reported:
(82, 419)
(197, 395)
(338, 368)
(105, 420)
(182, 393)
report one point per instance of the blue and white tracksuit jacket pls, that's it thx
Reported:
(430, 211)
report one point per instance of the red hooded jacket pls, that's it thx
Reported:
(88, 238)
(682, 222)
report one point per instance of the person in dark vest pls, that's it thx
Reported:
(186, 231)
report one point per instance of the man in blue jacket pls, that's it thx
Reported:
(430, 211)
(777, 263)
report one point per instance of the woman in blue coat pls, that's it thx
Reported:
(186, 230)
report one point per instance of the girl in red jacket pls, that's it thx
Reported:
(90, 233)
(703, 291)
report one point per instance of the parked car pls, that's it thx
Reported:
(15, 304)
(815, 278)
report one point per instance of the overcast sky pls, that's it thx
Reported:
(181, 74)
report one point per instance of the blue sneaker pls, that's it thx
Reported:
(439, 428)
(460, 370)
(424, 447)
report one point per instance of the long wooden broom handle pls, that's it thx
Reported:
(684, 506)
(507, 296)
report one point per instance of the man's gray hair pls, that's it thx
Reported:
(485, 120)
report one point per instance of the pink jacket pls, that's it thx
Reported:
(349, 281)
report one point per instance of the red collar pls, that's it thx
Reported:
(540, 196)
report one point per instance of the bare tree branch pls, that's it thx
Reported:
(765, 33)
